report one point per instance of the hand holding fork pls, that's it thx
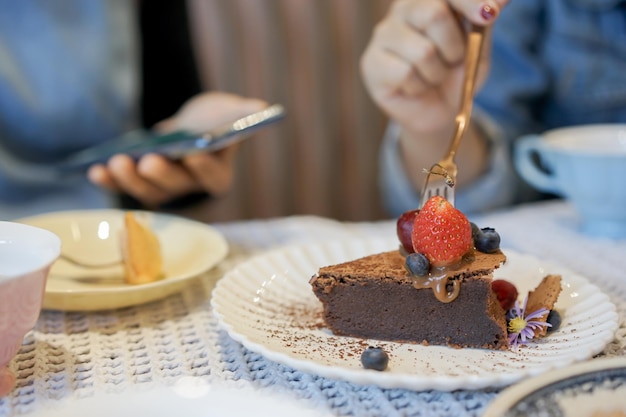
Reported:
(441, 178)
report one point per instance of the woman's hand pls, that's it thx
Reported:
(155, 179)
(413, 65)
(413, 68)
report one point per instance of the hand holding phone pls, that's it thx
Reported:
(175, 144)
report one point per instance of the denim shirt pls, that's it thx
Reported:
(555, 63)
(68, 79)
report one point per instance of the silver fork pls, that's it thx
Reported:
(441, 178)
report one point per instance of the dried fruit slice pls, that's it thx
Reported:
(141, 251)
(545, 295)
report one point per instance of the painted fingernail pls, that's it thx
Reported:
(488, 12)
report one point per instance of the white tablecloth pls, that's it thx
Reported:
(72, 355)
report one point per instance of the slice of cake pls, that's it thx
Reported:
(375, 297)
(141, 251)
(435, 290)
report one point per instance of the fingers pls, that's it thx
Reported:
(156, 175)
(208, 110)
(480, 12)
(419, 47)
(155, 179)
(423, 60)
(211, 172)
(413, 49)
(122, 174)
(413, 63)
(214, 172)
(436, 23)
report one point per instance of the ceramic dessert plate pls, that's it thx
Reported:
(267, 305)
(189, 248)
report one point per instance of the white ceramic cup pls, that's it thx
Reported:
(586, 165)
(26, 255)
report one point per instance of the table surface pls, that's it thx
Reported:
(70, 356)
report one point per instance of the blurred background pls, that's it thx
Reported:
(323, 158)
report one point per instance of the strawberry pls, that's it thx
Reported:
(506, 293)
(441, 232)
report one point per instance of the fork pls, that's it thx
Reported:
(441, 178)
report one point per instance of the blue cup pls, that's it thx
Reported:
(584, 164)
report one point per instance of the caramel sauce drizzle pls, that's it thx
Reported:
(439, 284)
(445, 289)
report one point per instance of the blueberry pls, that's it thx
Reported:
(374, 358)
(488, 240)
(554, 318)
(476, 232)
(417, 264)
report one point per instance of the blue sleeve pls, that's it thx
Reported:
(518, 80)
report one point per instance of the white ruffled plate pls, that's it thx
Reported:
(267, 304)
(189, 248)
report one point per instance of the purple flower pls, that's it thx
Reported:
(522, 327)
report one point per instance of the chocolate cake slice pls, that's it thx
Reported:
(376, 298)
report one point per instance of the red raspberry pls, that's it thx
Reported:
(441, 232)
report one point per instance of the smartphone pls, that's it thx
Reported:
(176, 144)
